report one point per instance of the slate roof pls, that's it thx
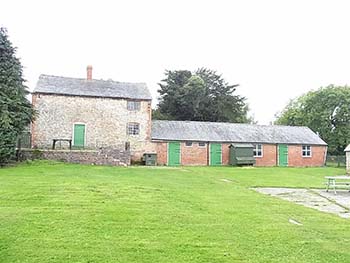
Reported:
(233, 132)
(91, 88)
(347, 149)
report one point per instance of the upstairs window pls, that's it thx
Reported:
(133, 128)
(201, 144)
(257, 150)
(306, 151)
(133, 105)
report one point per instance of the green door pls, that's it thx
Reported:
(215, 154)
(174, 153)
(79, 135)
(282, 155)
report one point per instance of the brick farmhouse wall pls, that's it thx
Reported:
(196, 155)
(105, 122)
(105, 156)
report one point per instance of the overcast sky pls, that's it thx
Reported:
(276, 50)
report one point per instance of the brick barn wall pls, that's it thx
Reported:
(194, 155)
(162, 152)
(269, 157)
(105, 119)
(295, 157)
(225, 153)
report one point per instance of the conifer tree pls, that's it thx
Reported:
(15, 110)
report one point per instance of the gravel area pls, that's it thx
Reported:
(314, 198)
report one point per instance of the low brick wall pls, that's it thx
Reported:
(105, 156)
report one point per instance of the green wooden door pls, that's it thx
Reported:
(174, 150)
(79, 135)
(215, 154)
(282, 155)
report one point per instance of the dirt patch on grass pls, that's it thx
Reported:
(314, 198)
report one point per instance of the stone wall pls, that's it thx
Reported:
(105, 156)
(105, 122)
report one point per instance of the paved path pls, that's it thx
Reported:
(315, 198)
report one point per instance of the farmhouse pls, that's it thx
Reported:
(100, 114)
(207, 143)
(92, 113)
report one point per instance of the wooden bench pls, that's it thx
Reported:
(340, 181)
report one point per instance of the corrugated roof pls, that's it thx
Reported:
(91, 88)
(347, 149)
(233, 132)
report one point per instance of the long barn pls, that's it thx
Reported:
(207, 143)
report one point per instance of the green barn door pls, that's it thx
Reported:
(174, 149)
(282, 155)
(79, 135)
(215, 154)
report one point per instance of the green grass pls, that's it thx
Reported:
(53, 212)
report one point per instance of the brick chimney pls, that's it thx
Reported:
(89, 72)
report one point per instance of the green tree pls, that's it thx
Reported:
(202, 95)
(326, 111)
(15, 110)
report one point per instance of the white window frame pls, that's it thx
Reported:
(202, 146)
(307, 150)
(255, 150)
(128, 128)
(188, 142)
(131, 105)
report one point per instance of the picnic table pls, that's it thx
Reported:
(338, 181)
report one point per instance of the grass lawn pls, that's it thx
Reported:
(54, 212)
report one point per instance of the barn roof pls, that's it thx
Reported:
(233, 132)
(347, 149)
(91, 88)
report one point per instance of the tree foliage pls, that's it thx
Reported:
(15, 110)
(202, 95)
(326, 111)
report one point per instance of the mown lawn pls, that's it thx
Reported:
(54, 212)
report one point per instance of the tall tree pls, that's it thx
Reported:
(15, 110)
(326, 111)
(202, 95)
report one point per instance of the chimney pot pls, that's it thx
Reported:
(89, 72)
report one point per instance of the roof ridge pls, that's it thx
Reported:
(84, 79)
(233, 132)
(59, 85)
(235, 123)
